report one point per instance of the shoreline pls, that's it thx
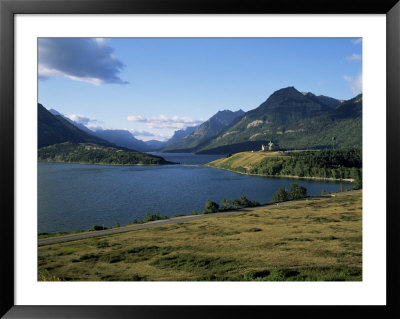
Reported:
(107, 164)
(84, 234)
(350, 180)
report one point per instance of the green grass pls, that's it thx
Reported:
(315, 240)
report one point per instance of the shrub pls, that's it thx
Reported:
(254, 203)
(357, 180)
(244, 202)
(210, 207)
(226, 204)
(153, 217)
(297, 192)
(236, 203)
(280, 196)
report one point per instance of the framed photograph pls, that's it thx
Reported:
(198, 159)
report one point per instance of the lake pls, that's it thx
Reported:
(76, 196)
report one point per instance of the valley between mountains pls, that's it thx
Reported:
(289, 118)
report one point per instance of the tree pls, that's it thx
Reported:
(210, 207)
(226, 204)
(297, 192)
(254, 203)
(280, 196)
(244, 202)
(357, 180)
(236, 203)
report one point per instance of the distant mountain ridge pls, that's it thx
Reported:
(287, 105)
(180, 134)
(59, 140)
(54, 129)
(205, 132)
(122, 138)
(289, 118)
(293, 120)
(322, 99)
(78, 125)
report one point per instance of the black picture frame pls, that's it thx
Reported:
(8, 8)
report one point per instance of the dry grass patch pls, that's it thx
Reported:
(244, 160)
(313, 240)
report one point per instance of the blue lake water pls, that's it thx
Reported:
(75, 196)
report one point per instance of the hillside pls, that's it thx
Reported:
(205, 132)
(53, 129)
(88, 153)
(78, 125)
(324, 100)
(293, 120)
(180, 134)
(61, 140)
(343, 164)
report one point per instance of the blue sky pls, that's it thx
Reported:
(154, 86)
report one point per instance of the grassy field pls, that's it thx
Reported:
(244, 160)
(306, 164)
(314, 240)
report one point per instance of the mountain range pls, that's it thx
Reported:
(122, 138)
(180, 134)
(289, 118)
(292, 120)
(205, 132)
(61, 140)
(55, 129)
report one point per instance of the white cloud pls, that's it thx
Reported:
(357, 41)
(163, 122)
(354, 57)
(146, 135)
(141, 133)
(96, 127)
(80, 59)
(355, 83)
(81, 119)
(162, 137)
(137, 118)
